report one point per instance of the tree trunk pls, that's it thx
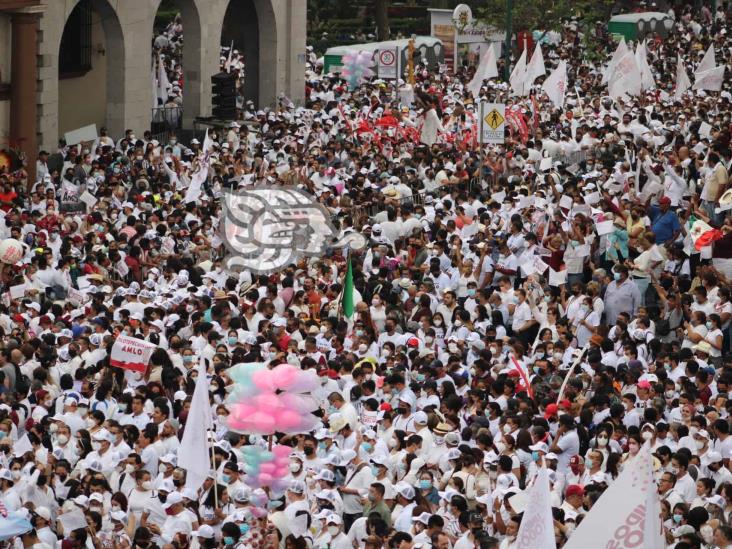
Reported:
(382, 19)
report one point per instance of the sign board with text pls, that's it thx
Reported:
(492, 122)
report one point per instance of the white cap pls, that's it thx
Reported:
(204, 531)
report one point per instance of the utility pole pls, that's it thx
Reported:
(509, 24)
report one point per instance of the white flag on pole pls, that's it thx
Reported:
(620, 51)
(535, 68)
(682, 79)
(708, 62)
(162, 80)
(518, 76)
(555, 86)
(628, 512)
(626, 78)
(193, 454)
(710, 80)
(196, 187)
(537, 526)
(154, 83)
(486, 70)
(641, 59)
(227, 66)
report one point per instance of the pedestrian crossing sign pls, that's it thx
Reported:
(494, 119)
(493, 122)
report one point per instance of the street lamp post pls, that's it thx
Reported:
(509, 23)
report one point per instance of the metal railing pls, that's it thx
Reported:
(164, 121)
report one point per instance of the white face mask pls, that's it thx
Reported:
(147, 485)
(392, 443)
(333, 530)
(699, 444)
(506, 429)
(647, 435)
(294, 467)
(602, 441)
(162, 468)
(62, 439)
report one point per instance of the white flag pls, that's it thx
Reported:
(708, 62)
(193, 454)
(710, 80)
(641, 59)
(620, 51)
(154, 82)
(207, 144)
(537, 526)
(555, 86)
(518, 76)
(486, 70)
(535, 68)
(227, 66)
(627, 513)
(197, 180)
(682, 79)
(626, 78)
(162, 81)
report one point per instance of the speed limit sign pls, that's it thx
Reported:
(387, 66)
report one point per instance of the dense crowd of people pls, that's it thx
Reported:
(551, 302)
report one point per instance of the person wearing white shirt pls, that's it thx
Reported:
(355, 486)
(685, 484)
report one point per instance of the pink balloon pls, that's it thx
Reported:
(268, 468)
(267, 401)
(264, 380)
(287, 419)
(284, 375)
(257, 512)
(281, 472)
(265, 479)
(242, 410)
(281, 451)
(252, 482)
(261, 421)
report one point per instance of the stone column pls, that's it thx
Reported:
(23, 107)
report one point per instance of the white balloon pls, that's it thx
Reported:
(11, 251)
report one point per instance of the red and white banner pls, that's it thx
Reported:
(131, 353)
(628, 514)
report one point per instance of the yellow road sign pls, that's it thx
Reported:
(494, 119)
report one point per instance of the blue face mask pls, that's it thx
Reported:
(420, 377)
(537, 370)
(228, 540)
(367, 446)
(375, 470)
(616, 276)
(425, 484)
(321, 445)
(471, 292)
(188, 358)
(535, 455)
(232, 341)
(2, 434)
(225, 479)
(244, 528)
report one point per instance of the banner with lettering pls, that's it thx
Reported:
(131, 353)
(628, 514)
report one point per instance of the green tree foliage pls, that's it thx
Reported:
(545, 15)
